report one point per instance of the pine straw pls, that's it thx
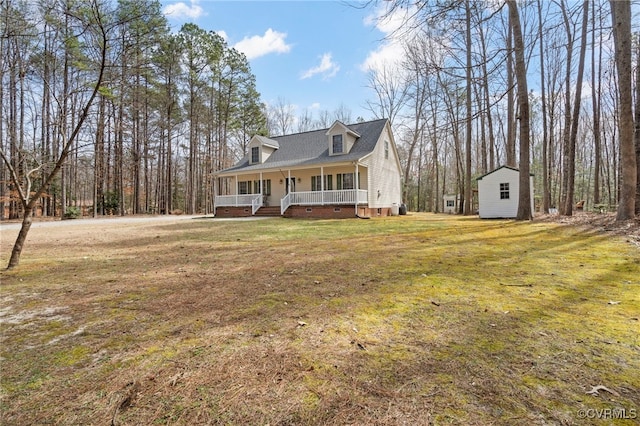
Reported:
(414, 320)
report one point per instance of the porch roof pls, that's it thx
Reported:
(308, 149)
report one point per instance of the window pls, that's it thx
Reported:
(316, 186)
(244, 187)
(255, 154)
(386, 150)
(337, 144)
(316, 183)
(504, 191)
(451, 203)
(266, 187)
(345, 181)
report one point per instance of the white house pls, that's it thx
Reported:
(498, 193)
(343, 171)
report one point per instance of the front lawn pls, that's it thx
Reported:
(418, 319)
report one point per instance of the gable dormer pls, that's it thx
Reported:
(340, 138)
(260, 148)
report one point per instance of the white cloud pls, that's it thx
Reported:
(182, 10)
(256, 46)
(327, 68)
(223, 34)
(391, 50)
(388, 54)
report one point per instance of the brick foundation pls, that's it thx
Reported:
(317, 212)
(334, 212)
(233, 212)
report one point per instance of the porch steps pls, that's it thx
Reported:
(268, 211)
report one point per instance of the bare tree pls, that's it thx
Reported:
(305, 121)
(637, 120)
(94, 28)
(391, 89)
(571, 119)
(621, 19)
(283, 117)
(524, 198)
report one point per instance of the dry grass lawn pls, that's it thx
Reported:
(419, 319)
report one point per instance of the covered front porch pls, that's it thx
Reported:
(276, 192)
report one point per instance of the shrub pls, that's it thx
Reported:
(73, 212)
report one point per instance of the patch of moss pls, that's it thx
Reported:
(71, 356)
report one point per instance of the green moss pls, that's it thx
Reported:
(71, 356)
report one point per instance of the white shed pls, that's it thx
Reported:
(450, 203)
(498, 193)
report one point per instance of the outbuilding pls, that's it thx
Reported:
(450, 203)
(498, 193)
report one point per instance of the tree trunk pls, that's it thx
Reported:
(524, 196)
(511, 131)
(596, 83)
(637, 120)
(469, 91)
(567, 157)
(621, 18)
(27, 219)
(546, 198)
(570, 141)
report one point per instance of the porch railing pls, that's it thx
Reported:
(285, 203)
(305, 198)
(239, 200)
(318, 198)
(256, 203)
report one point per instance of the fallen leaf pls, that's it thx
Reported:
(611, 302)
(301, 323)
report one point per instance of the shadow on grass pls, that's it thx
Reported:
(331, 322)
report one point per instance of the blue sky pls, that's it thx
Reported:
(312, 54)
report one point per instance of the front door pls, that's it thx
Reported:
(290, 185)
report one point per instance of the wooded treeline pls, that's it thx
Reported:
(171, 107)
(454, 100)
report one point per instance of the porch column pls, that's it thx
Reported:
(261, 192)
(356, 185)
(237, 189)
(322, 183)
(289, 181)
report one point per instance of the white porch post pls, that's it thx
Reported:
(237, 189)
(261, 189)
(288, 181)
(356, 185)
(322, 183)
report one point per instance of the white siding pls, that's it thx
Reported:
(451, 209)
(385, 184)
(490, 204)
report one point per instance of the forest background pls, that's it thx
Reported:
(105, 110)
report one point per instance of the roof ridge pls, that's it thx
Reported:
(327, 128)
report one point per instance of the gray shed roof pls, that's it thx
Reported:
(311, 148)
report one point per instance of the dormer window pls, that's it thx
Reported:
(337, 144)
(255, 154)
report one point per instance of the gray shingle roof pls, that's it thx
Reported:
(310, 148)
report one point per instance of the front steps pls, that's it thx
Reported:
(268, 211)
